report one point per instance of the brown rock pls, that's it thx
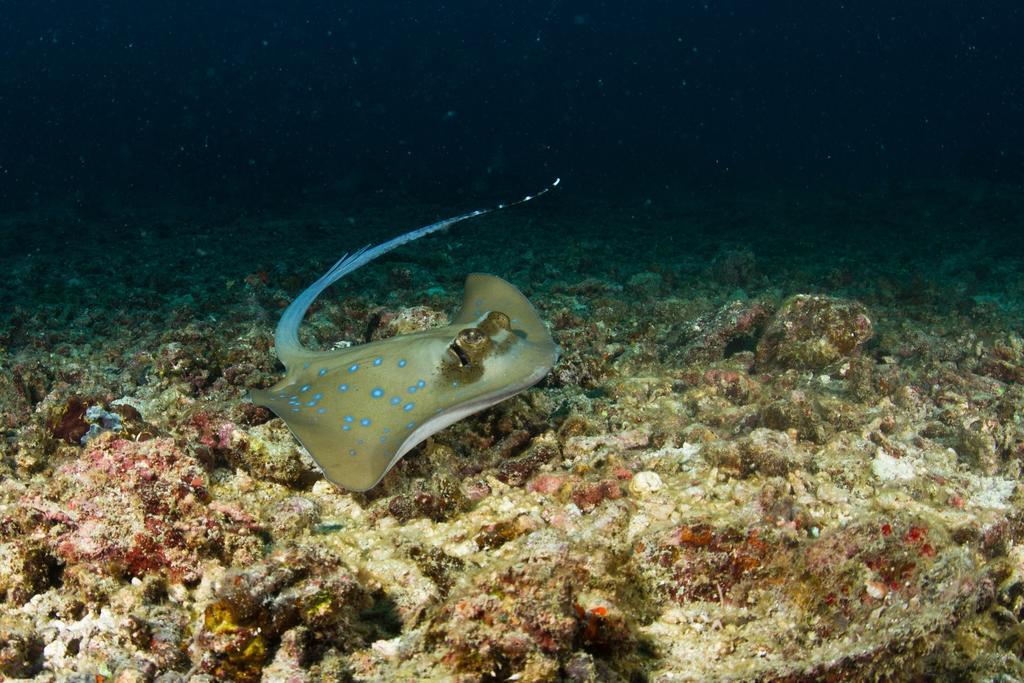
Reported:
(810, 332)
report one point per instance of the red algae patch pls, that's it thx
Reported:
(127, 507)
(699, 562)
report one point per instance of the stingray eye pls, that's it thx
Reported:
(472, 337)
(470, 346)
(495, 322)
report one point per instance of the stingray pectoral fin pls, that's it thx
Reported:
(351, 454)
(355, 409)
(486, 293)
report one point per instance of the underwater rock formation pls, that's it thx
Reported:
(793, 491)
(812, 332)
(128, 508)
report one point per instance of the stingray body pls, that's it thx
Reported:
(359, 410)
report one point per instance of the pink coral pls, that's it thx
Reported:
(134, 507)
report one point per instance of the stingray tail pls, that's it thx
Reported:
(286, 339)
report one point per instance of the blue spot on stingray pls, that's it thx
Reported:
(365, 422)
(352, 451)
(353, 367)
(305, 388)
(378, 360)
(346, 428)
(310, 403)
(455, 384)
(395, 400)
(402, 362)
(342, 387)
(383, 439)
(410, 425)
(377, 392)
(321, 411)
(408, 406)
(349, 418)
(295, 410)
(305, 366)
(421, 384)
(323, 371)
(317, 396)
(411, 390)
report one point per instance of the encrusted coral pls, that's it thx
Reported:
(731, 328)
(300, 599)
(525, 619)
(811, 332)
(134, 508)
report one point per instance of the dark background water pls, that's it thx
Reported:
(273, 102)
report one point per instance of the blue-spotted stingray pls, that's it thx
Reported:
(358, 410)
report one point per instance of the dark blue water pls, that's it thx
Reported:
(271, 102)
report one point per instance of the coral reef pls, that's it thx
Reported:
(127, 508)
(814, 477)
(298, 601)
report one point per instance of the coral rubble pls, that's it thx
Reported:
(760, 459)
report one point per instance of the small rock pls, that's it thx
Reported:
(812, 332)
(645, 483)
(546, 483)
(293, 514)
(888, 468)
(732, 327)
(386, 648)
